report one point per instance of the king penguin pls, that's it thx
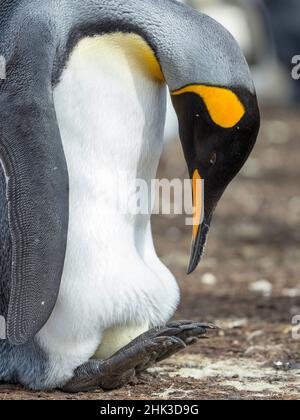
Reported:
(85, 301)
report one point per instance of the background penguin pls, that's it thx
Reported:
(285, 17)
(82, 116)
(251, 24)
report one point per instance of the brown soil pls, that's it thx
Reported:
(255, 237)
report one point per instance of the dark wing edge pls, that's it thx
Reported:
(37, 187)
(37, 193)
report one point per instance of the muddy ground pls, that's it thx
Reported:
(248, 283)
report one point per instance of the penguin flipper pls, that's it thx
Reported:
(37, 190)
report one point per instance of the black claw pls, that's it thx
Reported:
(168, 347)
(191, 340)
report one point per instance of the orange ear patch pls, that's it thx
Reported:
(198, 202)
(223, 105)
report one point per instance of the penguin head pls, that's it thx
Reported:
(218, 128)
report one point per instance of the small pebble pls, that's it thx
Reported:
(209, 279)
(262, 286)
(237, 324)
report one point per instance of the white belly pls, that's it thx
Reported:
(110, 112)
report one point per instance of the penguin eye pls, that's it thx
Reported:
(213, 158)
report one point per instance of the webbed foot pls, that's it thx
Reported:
(149, 348)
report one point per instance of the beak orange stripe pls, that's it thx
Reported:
(198, 202)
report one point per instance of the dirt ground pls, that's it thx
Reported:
(248, 283)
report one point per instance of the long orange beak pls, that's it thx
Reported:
(200, 229)
(198, 202)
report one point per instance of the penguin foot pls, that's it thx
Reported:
(187, 332)
(151, 347)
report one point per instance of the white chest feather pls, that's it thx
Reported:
(110, 108)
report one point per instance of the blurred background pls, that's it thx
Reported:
(268, 31)
(249, 279)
